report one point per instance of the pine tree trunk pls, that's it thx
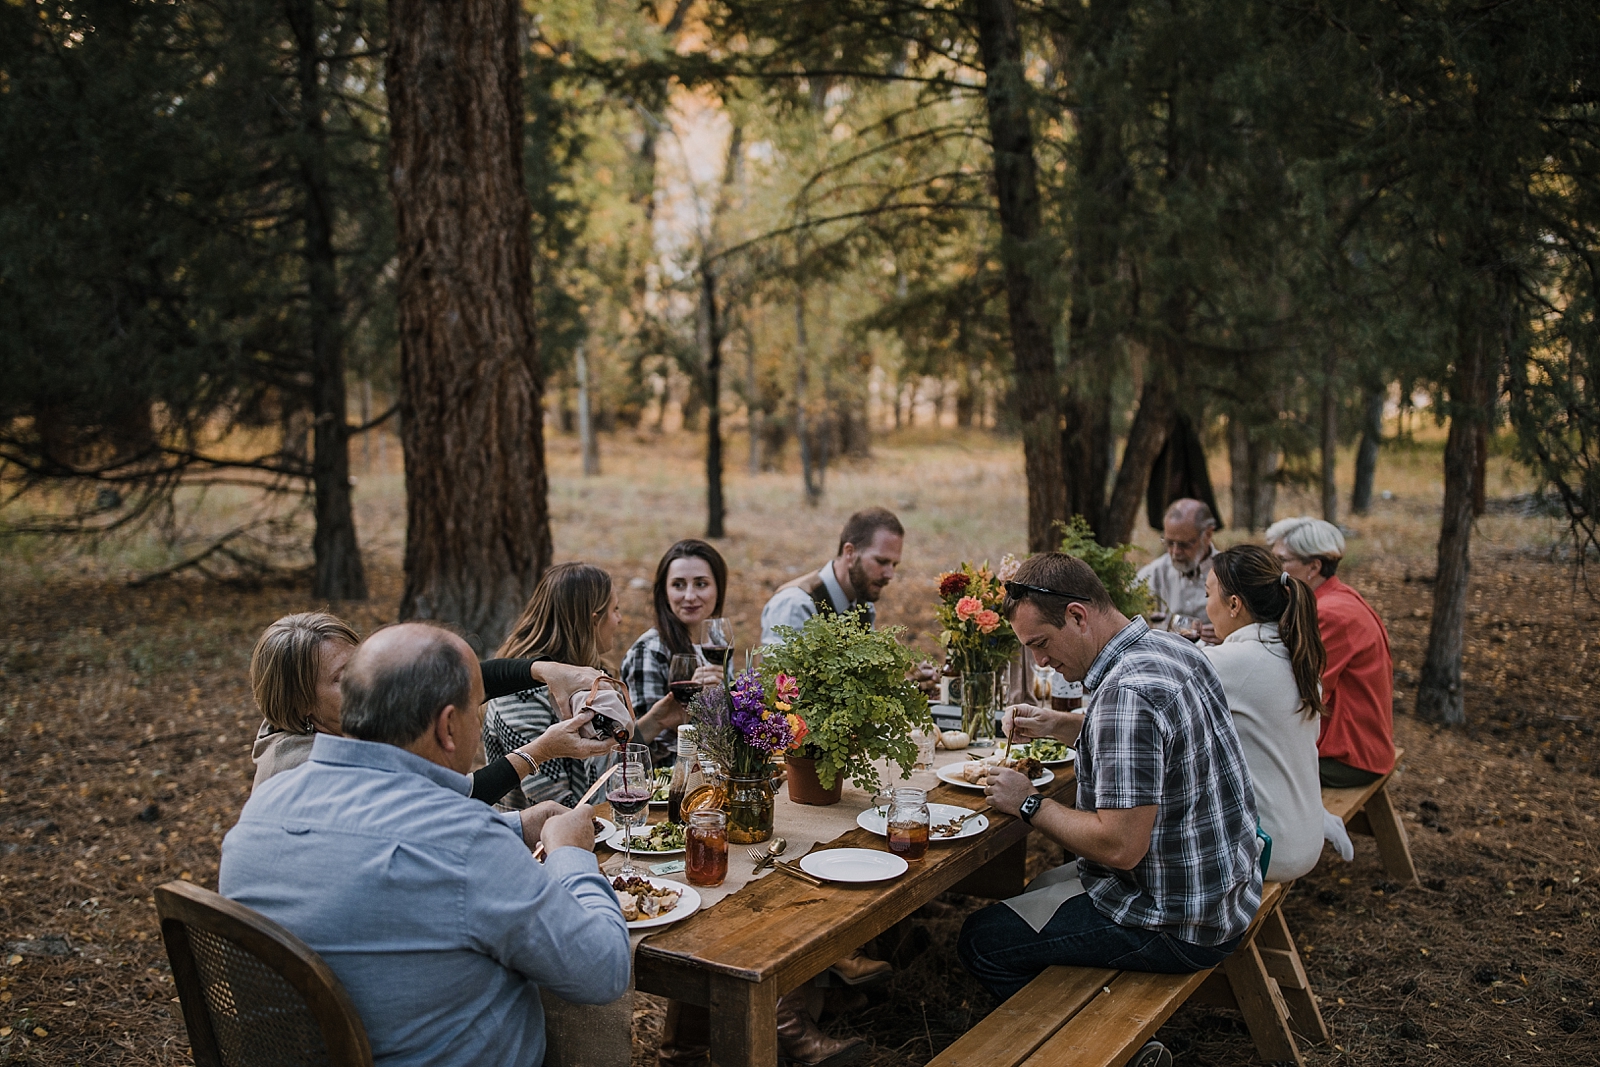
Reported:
(1367, 452)
(802, 424)
(712, 327)
(588, 447)
(1027, 304)
(1330, 442)
(1146, 437)
(337, 572)
(1439, 697)
(477, 514)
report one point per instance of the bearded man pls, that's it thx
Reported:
(1178, 576)
(869, 551)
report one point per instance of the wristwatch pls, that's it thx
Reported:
(1030, 807)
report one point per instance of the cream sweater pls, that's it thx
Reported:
(1279, 743)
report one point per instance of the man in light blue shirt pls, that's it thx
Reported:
(425, 902)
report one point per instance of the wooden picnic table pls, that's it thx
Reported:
(740, 955)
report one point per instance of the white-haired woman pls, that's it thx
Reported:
(1357, 742)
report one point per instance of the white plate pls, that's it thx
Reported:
(951, 772)
(607, 828)
(853, 865)
(615, 842)
(687, 905)
(874, 821)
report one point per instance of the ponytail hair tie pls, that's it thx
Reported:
(1283, 577)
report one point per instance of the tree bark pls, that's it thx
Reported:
(1330, 441)
(1439, 697)
(1367, 452)
(1146, 437)
(711, 324)
(588, 447)
(337, 572)
(802, 427)
(1026, 264)
(477, 513)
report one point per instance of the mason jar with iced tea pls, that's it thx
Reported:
(908, 824)
(706, 848)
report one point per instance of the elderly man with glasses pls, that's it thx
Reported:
(1167, 877)
(1178, 576)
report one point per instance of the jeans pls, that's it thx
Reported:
(1004, 953)
(1336, 775)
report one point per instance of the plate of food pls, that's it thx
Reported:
(969, 775)
(658, 798)
(603, 828)
(648, 902)
(657, 839)
(1047, 750)
(944, 822)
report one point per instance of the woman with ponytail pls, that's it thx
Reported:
(1270, 662)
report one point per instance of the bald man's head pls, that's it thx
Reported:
(399, 680)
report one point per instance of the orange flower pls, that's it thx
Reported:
(967, 607)
(987, 620)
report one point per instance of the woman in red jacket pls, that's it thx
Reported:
(1357, 742)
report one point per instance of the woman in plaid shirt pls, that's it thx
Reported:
(1167, 877)
(691, 580)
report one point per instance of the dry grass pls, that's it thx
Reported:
(113, 700)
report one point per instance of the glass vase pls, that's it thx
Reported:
(749, 808)
(980, 701)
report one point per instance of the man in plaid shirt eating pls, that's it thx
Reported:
(1167, 876)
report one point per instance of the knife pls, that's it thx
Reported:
(796, 872)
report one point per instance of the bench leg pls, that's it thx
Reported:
(1283, 964)
(1262, 1004)
(1390, 834)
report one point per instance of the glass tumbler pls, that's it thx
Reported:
(706, 845)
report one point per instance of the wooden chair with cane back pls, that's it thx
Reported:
(253, 994)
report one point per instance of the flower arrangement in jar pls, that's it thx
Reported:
(743, 729)
(974, 634)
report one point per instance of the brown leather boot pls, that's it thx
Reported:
(685, 1036)
(857, 968)
(800, 1041)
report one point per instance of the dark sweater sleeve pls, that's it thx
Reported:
(502, 677)
(496, 779)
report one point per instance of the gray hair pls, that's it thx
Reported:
(395, 702)
(1187, 509)
(1310, 538)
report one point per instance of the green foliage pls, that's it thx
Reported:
(1110, 564)
(855, 697)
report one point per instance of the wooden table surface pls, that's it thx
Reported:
(738, 956)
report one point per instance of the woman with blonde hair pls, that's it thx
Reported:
(295, 672)
(572, 617)
(1270, 663)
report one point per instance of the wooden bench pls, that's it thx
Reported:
(1368, 810)
(1094, 1017)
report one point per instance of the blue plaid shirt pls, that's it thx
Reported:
(1157, 731)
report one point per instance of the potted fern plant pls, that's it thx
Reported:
(850, 686)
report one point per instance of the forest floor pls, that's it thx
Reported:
(125, 720)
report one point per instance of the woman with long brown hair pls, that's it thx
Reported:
(572, 617)
(1270, 662)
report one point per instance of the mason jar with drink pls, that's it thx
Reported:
(706, 848)
(908, 823)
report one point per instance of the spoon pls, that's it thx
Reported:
(774, 849)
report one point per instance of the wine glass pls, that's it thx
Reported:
(680, 678)
(628, 793)
(1042, 679)
(1185, 626)
(718, 646)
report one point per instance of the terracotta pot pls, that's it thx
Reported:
(804, 787)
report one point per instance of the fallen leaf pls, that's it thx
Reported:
(39, 1031)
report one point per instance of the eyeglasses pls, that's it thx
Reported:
(1017, 590)
(1183, 545)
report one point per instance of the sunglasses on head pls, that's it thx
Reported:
(1017, 590)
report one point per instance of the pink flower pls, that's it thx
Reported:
(987, 620)
(1008, 568)
(967, 607)
(787, 688)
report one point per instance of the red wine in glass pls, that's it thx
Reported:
(685, 691)
(717, 654)
(628, 802)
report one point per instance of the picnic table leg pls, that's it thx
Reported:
(744, 1022)
(1262, 1004)
(1283, 964)
(1390, 834)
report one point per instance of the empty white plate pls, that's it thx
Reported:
(853, 865)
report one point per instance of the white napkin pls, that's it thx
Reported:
(606, 702)
(1037, 904)
(1334, 833)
